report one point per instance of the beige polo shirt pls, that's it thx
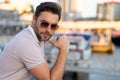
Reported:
(22, 53)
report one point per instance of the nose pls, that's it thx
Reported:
(49, 28)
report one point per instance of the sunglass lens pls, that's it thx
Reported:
(44, 24)
(54, 26)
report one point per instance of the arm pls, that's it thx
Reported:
(43, 72)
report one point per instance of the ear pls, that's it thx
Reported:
(34, 19)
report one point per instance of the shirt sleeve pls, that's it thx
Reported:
(32, 55)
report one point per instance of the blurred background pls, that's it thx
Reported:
(92, 26)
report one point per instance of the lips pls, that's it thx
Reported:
(46, 35)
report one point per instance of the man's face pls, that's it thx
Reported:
(45, 25)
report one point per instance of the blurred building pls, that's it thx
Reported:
(109, 11)
(23, 7)
(70, 10)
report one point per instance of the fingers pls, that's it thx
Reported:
(57, 38)
(60, 42)
(53, 42)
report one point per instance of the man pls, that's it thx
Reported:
(24, 54)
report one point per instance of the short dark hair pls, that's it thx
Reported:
(50, 7)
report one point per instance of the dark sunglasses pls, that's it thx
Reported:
(45, 24)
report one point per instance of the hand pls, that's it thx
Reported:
(62, 42)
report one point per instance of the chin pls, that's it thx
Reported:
(45, 39)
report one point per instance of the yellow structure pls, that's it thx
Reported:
(21, 6)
